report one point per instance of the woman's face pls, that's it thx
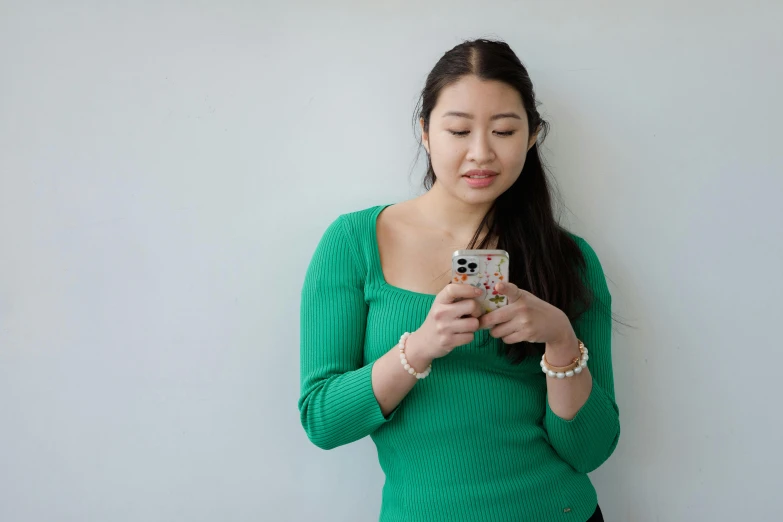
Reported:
(478, 139)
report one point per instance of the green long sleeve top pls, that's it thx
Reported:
(474, 441)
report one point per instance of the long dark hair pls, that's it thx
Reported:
(546, 260)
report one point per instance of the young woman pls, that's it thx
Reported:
(467, 425)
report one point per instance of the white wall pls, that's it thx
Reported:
(158, 161)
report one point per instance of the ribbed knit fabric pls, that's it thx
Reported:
(476, 441)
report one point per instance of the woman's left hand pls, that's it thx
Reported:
(528, 318)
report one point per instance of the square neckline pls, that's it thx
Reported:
(377, 259)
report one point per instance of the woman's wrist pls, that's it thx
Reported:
(414, 353)
(563, 351)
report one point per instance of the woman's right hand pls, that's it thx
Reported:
(451, 322)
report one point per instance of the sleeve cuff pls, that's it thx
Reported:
(587, 440)
(353, 411)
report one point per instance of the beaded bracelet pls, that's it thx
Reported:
(572, 369)
(404, 360)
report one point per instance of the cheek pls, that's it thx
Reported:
(446, 156)
(513, 160)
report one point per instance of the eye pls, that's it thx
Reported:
(505, 133)
(459, 133)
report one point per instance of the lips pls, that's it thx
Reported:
(478, 174)
(480, 178)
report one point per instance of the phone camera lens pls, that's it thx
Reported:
(472, 266)
(462, 270)
(461, 261)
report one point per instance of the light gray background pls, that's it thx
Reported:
(167, 168)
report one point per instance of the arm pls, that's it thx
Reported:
(446, 327)
(341, 400)
(338, 403)
(582, 418)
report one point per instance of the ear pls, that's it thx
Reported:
(533, 138)
(425, 136)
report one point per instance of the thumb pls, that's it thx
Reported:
(510, 290)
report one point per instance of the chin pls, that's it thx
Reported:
(484, 195)
(480, 197)
(472, 196)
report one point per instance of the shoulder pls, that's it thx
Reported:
(592, 269)
(350, 237)
(588, 252)
(356, 228)
(361, 222)
(351, 224)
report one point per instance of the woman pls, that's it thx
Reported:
(467, 426)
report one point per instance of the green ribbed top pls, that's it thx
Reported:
(474, 441)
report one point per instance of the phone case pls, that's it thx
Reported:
(491, 267)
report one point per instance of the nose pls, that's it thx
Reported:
(480, 151)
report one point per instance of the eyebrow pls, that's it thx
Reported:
(493, 118)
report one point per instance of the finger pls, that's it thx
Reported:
(454, 292)
(468, 325)
(487, 320)
(501, 315)
(512, 291)
(468, 307)
(476, 309)
(462, 339)
(516, 337)
(504, 329)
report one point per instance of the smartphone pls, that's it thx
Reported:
(482, 269)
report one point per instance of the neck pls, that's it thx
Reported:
(448, 214)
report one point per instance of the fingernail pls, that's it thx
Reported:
(477, 291)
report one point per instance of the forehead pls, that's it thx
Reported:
(480, 97)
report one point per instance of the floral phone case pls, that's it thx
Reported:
(482, 269)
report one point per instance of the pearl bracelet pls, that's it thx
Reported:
(575, 368)
(404, 360)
